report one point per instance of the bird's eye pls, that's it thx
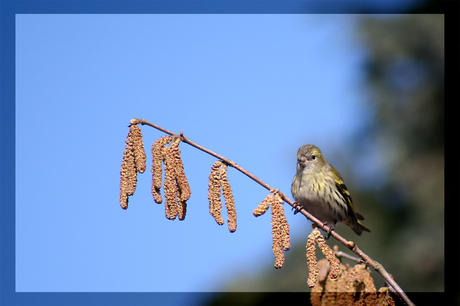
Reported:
(313, 157)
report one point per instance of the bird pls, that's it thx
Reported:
(319, 188)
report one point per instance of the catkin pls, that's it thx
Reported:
(312, 261)
(181, 179)
(229, 200)
(158, 152)
(138, 147)
(219, 184)
(128, 172)
(170, 187)
(263, 206)
(124, 179)
(330, 256)
(277, 245)
(334, 262)
(123, 199)
(284, 226)
(214, 191)
(280, 227)
(354, 286)
(131, 172)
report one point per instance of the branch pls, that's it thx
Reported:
(349, 244)
(342, 254)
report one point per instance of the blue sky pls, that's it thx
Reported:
(250, 87)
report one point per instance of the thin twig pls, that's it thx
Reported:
(349, 244)
(342, 254)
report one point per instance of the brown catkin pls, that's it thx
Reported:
(181, 179)
(214, 190)
(284, 226)
(229, 200)
(158, 151)
(327, 251)
(124, 181)
(138, 146)
(277, 245)
(181, 206)
(263, 207)
(354, 286)
(312, 261)
(130, 172)
(170, 187)
(123, 200)
(157, 195)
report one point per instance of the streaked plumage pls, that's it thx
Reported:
(320, 189)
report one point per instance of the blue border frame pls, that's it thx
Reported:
(8, 10)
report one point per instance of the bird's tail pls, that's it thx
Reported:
(358, 227)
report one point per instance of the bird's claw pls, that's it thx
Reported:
(328, 235)
(296, 207)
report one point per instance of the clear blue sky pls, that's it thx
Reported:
(250, 87)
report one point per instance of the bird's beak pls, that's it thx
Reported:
(302, 162)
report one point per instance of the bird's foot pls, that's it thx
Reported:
(296, 207)
(331, 228)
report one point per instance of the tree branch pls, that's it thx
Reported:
(349, 244)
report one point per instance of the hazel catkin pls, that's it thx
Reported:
(158, 154)
(128, 174)
(214, 191)
(138, 147)
(181, 179)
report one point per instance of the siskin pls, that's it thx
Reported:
(320, 189)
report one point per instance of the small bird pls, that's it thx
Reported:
(320, 189)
